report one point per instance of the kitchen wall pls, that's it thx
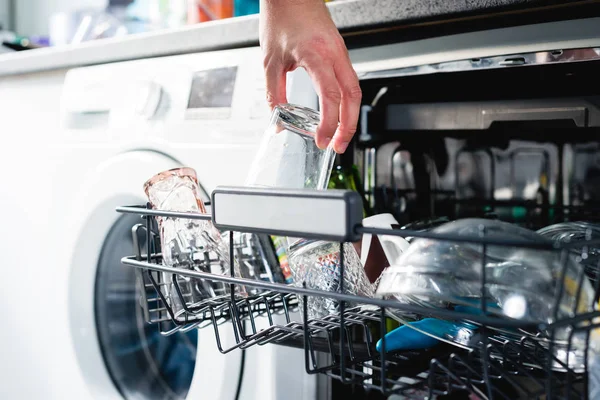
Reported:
(31, 16)
(5, 17)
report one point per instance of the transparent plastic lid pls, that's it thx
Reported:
(288, 156)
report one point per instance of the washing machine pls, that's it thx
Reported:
(122, 123)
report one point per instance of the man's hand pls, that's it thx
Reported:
(301, 33)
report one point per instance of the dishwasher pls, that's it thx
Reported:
(513, 138)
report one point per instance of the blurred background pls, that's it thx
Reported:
(38, 23)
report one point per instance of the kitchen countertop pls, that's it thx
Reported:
(349, 15)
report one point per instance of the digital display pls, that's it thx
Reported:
(212, 88)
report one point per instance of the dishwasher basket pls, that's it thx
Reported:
(494, 367)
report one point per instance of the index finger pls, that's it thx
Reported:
(349, 105)
(275, 84)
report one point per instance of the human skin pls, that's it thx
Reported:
(301, 33)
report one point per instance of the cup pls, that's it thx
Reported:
(288, 157)
(317, 263)
(188, 243)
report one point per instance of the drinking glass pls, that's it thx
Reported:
(317, 263)
(188, 243)
(588, 255)
(288, 157)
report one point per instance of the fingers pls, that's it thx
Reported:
(330, 97)
(339, 100)
(276, 83)
(350, 104)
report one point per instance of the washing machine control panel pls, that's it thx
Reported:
(205, 98)
(147, 99)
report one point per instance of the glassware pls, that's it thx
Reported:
(188, 243)
(522, 281)
(318, 264)
(257, 255)
(589, 257)
(288, 157)
(586, 255)
(424, 225)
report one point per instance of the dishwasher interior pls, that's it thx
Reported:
(519, 143)
(511, 138)
(514, 139)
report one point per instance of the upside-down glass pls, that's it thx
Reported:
(317, 264)
(288, 157)
(188, 243)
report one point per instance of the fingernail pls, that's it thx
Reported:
(326, 142)
(340, 148)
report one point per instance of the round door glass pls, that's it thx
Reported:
(142, 363)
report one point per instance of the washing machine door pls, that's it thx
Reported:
(121, 356)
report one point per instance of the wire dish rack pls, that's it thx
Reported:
(524, 364)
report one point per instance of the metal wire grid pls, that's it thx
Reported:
(496, 366)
